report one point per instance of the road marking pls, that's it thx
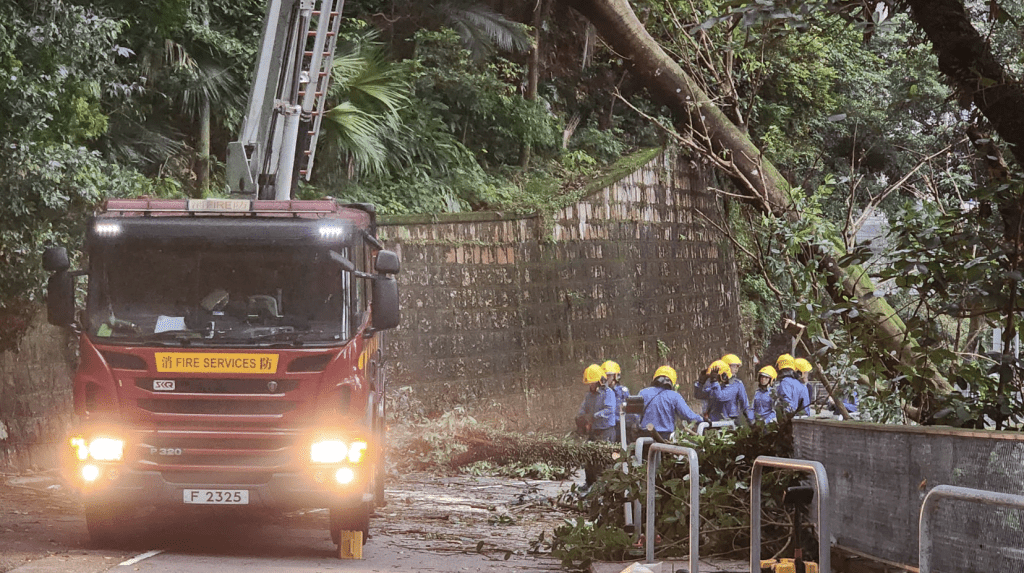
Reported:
(140, 557)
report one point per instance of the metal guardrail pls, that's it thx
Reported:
(633, 512)
(703, 426)
(820, 496)
(652, 468)
(924, 536)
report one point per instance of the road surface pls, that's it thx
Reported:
(431, 523)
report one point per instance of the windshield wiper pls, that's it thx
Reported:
(289, 334)
(183, 337)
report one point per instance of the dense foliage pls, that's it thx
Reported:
(59, 64)
(726, 461)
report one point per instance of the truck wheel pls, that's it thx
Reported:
(378, 483)
(105, 522)
(350, 519)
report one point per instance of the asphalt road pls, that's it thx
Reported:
(431, 524)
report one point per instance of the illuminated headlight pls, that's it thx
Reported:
(106, 449)
(108, 229)
(90, 473)
(99, 449)
(80, 447)
(337, 451)
(328, 232)
(328, 452)
(344, 475)
(356, 451)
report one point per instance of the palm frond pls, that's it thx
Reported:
(132, 143)
(212, 82)
(482, 29)
(360, 134)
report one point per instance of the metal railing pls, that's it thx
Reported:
(632, 508)
(704, 426)
(820, 496)
(924, 536)
(652, 467)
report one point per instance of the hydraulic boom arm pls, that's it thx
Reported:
(287, 98)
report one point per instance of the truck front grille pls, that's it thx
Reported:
(218, 407)
(220, 386)
(206, 452)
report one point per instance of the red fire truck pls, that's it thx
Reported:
(230, 349)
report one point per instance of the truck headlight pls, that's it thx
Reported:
(336, 451)
(106, 449)
(101, 449)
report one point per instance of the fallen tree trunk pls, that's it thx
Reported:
(505, 448)
(730, 149)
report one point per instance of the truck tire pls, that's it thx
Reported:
(105, 522)
(350, 519)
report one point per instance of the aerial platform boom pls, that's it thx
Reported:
(278, 137)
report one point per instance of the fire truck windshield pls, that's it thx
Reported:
(153, 292)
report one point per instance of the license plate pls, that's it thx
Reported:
(216, 496)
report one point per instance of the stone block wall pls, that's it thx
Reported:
(35, 396)
(511, 310)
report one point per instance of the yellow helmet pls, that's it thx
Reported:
(720, 367)
(785, 361)
(802, 365)
(769, 372)
(593, 373)
(732, 359)
(666, 371)
(611, 367)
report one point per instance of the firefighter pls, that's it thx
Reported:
(791, 392)
(803, 369)
(596, 416)
(764, 402)
(662, 404)
(730, 398)
(613, 376)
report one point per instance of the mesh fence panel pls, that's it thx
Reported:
(878, 477)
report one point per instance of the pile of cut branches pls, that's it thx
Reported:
(513, 450)
(458, 442)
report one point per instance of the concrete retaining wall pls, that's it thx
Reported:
(879, 475)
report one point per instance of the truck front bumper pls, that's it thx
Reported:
(279, 491)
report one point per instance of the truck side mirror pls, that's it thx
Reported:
(386, 313)
(56, 259)
(60, 298)
(387, 263)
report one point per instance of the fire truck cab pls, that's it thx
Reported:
(230, 354)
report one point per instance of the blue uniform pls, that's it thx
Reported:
(712, 407)
(793, 395)
(700, 392)
(731, 401)
(851, 402)
(661, 408)
(764, 407)
(599, 409)
(621, 393)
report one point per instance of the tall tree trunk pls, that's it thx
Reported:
(967, 59)
(768, 189)
(203, 169)
(533, 74)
